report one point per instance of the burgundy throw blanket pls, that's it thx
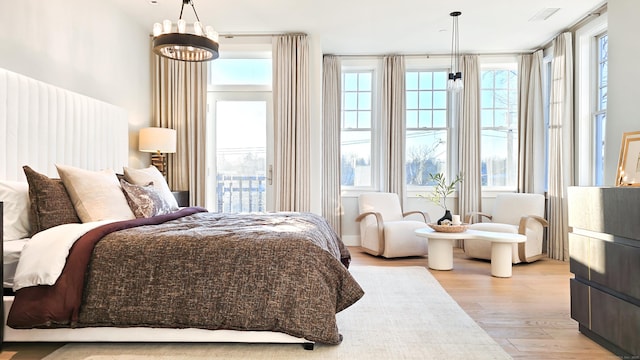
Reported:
(66, 294)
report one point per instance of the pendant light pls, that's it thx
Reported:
(454, 83)
(175, 42)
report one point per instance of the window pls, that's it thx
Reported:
(357, 129)
(499, 127)
(546, 103)
(591, 77)
(426, 126)
(600, 115)
(241, 160)
(239, 98)
(241, 72)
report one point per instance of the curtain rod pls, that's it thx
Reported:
(428, 56)
(231, 36)
(382, 55)
(578, 24)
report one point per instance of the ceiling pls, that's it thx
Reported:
(374, 27)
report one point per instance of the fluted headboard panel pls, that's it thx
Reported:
(42, 125)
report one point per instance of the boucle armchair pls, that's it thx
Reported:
(515, 213)
(384, 229)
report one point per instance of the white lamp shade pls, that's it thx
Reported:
(155, 139)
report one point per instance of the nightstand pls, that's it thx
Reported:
(182, 197)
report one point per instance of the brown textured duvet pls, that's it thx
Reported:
(283, 272)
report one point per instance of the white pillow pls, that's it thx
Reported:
(15, 217)
(96, 195)
(148, 175)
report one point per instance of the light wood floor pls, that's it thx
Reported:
(27, 351)
(527, 314)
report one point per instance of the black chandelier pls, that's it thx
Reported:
(454, 83)
(174, 42)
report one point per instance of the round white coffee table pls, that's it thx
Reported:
(440, 248)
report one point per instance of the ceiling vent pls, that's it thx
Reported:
(544, 14)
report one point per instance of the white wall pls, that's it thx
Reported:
(88, 47)
(623, 114)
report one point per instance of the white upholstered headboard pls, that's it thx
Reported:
(42, 125)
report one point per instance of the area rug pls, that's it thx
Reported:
(405, 314)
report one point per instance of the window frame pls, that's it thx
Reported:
(501, 62)
(546, 103)
(238, 48)
(599, 113)
(233, 50)
(374, 66)
(446, 127)
(586, 97)
(436, 63)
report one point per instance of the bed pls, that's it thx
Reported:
(138, 275)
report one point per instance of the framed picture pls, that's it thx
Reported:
(629, 162)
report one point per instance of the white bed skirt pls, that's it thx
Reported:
(143, 334)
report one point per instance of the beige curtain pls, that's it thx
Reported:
(468, 123)
(560, 146)
(393, 123)
(531, 122)
(180, 103)
(292, 174)
(331, 108)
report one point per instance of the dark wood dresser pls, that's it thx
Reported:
(604, 246)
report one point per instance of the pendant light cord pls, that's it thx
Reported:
(189, 2)
(455, 43)
(455, 21)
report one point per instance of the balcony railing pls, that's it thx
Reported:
(240, 193)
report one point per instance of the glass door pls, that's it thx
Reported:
(240, 146)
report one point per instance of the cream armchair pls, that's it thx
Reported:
(384, 231)
(514, 213)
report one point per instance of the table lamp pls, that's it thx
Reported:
(158, 141)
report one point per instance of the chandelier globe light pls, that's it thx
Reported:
(185, 43)
(454, 82)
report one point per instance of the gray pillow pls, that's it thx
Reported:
(151, 175)
(144, 200)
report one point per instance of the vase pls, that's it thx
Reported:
(446, 216)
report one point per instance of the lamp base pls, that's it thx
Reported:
(160, 161)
